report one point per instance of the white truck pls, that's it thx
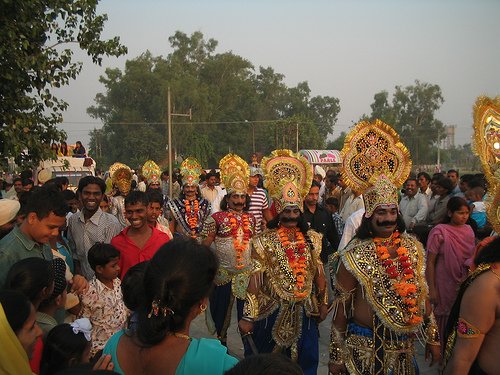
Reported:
(72, 168)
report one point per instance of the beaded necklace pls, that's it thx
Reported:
(295, 253)
(239, 247)
(192, 215)
(402, 282)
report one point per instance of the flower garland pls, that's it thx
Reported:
(192, 215)
(239, 247)
(404, 286)
(296, 260)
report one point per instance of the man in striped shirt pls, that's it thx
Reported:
(259, 205)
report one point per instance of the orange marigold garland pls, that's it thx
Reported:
(240, 247)
(192, 215)
(402, 282)
(296, 259)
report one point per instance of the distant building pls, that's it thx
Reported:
(449, 141)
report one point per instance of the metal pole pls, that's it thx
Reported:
(169, 125)
(297, 143)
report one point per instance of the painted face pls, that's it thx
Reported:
(111, 270)
(154, 212)
(313, 196)
(237, 201)
(190, 192)
(289, 217)
(29, 333)
(460, 216)
(137, 215)
(43, 230)
(411, 188)
(383, 221)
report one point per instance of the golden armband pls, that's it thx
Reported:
(342, 297)
(251, 307)
(336, 348)
(431, 331)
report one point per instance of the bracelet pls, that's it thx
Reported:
(337, 356)
(431, 331)
(247, 319)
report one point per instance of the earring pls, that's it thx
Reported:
(203, 307)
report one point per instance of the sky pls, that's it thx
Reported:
(346, 49)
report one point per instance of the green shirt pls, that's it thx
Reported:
(16, 246)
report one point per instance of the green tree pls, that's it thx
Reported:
(34, 44)
(412, 114)
(233, 107)
(337, 143)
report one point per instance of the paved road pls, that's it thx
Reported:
(199, 329)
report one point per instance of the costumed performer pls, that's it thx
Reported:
(287, 295)
(380, 292)
(189, 212)
(473, 329)
(231, 229)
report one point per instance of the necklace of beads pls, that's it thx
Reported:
(239, 247)
(295, 253)
(192, 215)
(402, 282)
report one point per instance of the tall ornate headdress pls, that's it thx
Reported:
(375, 162)
(288, 178)
(487, 147)
(121, 175)
(190, 171)
(234, 173)
(151, 171)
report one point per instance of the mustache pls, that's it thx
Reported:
(239, 204)
(288, 220)
(386, 223)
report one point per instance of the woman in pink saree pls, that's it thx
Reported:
(449, 246)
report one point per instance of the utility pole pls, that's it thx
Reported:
(297, 139)
(169, 126)
(438, 154)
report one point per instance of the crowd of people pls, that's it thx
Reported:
(110, 277)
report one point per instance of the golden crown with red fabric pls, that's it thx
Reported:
(375, 162)
(288, 178)
(190, 172)
(486, 146)
(234, 173)
(121, 176)
(152, 172)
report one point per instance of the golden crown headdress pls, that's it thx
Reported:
(114, 167)
(288, 178)
(151, 171)
(121, 176)
(487, 147)
(234, 173)
(375, 162)
(190, 171)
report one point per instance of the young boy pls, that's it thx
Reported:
(102, 303)
(478, 208)
(155, 211)
(332, 206)
(139, 241)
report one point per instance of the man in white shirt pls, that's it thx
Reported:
(413, 205)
